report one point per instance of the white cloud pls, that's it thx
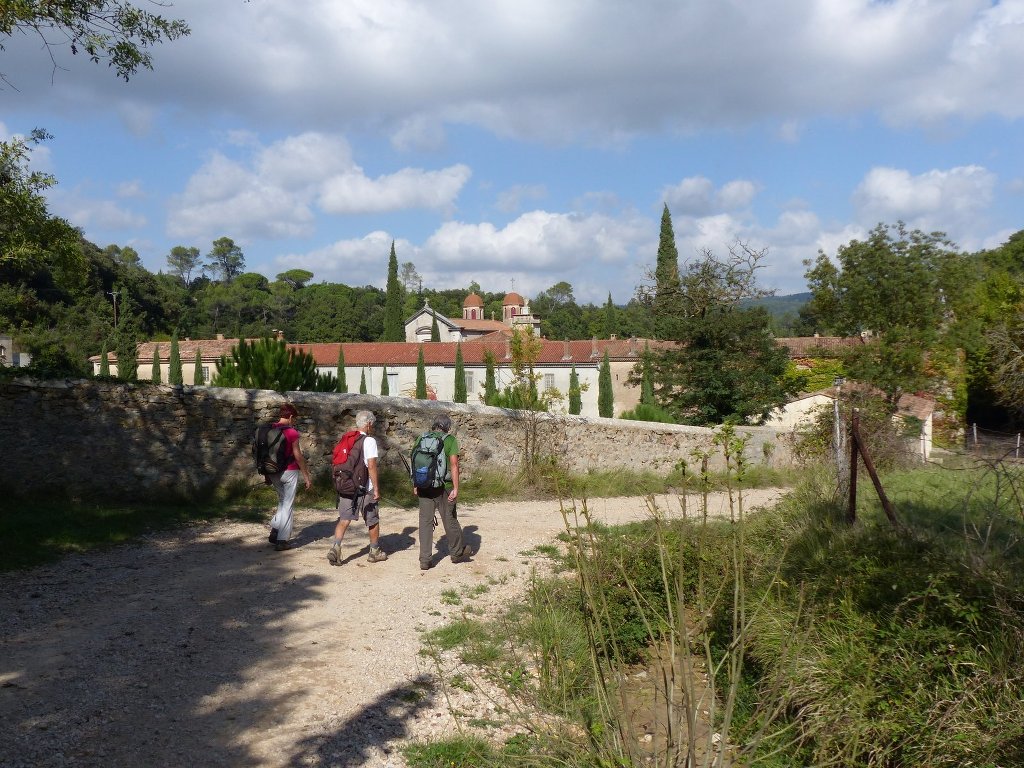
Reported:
(408, 188)
(511, 200)
(93, 214)
(697, 196)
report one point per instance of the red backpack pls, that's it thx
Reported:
(350, 473)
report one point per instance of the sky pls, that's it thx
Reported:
(522, 144)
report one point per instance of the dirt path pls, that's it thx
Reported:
(205, 647)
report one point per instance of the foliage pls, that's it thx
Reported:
(460, 376)
(342, 381)
(226, 259)
(575, 393)
(104, 363)
(174, 374)
(110, 30)
(605, 396)
(666, 278)
(394, 327)
(490, 382)
(648, 412)
(266, 364)
(610, 319)
(197, 371)
(1006, 345)
(155, 366)
(183, 261)
(384, 390)
(421, 376)
(362, 381)
(435, 332)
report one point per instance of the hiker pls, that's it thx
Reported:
(286, 483)
(438, 490)
(350, 509)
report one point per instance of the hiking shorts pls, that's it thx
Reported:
(353, 509)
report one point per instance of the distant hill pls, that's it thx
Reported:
(784, 310)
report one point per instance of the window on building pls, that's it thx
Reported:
(393, 383)
(469, 382)
(206, 373)
(549, 381)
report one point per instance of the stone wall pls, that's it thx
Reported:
(125, 441)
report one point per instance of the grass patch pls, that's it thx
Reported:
(450, 597)
(462, 752)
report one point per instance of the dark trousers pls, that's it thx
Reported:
(429, 504)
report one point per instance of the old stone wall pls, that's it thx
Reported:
(124, 441)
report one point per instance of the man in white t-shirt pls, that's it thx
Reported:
(368, 503)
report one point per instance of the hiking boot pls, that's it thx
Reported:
(463, 556)
(281, 545)
(377, 555)
(426, 566)
(334, 554)
(272, 538)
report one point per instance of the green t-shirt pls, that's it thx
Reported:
(451, 448)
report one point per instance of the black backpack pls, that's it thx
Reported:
(350, 473)
(270, 449)
(429, 462)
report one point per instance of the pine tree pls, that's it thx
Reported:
(362, 381)
(435, 331)
(610, 319)
(421, 377)
(104, 362)
(667, 287)
(156, 364)
(605, 398)
(342, 382)
(197, 375)
(384, 391)
(575, 395)
(394, 328)
(460, 376)
(174, 375)
(490, 381)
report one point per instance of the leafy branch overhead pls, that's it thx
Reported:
(114, 31)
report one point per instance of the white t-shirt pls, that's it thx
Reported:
(369, 452)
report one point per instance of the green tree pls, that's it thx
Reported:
(267, 364)
(225, 259)
(104, 30)
(460, 375)
(421, 377)
(183, 261)
(410, 278)
(126, 340)
(575, 393)
(610, 318)
(384, 391)
(197, 371)
(155, 368)
(605, 396)
(435, 332)
(295, 278)
(362, 381)
(490, 380)
(104, 362)
(666, 279)
(342, 381)
(174, 374)
(394, 327)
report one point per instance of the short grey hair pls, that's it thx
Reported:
(442, 422)
(365, 419)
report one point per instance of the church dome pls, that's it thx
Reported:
(513, 299)
(473, 301)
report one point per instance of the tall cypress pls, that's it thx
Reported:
(490, 381)
(605, 398)
(394, 328)
(197, 374)
(610, 319)
(362, 381)
(421, 377)
(460, 376)
(342, 383)
(384, 391)
(435, 331)
(575, 395)
(174, 375)
(156, 364)
(104, 362)
(667, 286)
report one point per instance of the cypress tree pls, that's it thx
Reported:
(435, 331)
(610, 323)
(575, 395)
(647, 379)
(460, 376)
(362, 381)
(342, 383)
(490, 383)
(421, 377)
(197, 374)
(156, 364)
(174, 375)
(394, 329)
(104, 362)
(605, 398)
(666, 277)
(384, 391)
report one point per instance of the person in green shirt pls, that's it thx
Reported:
(442, 501)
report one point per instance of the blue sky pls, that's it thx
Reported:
(520, 144)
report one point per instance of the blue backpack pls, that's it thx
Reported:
(429, 463)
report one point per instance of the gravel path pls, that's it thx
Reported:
(204, 647)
